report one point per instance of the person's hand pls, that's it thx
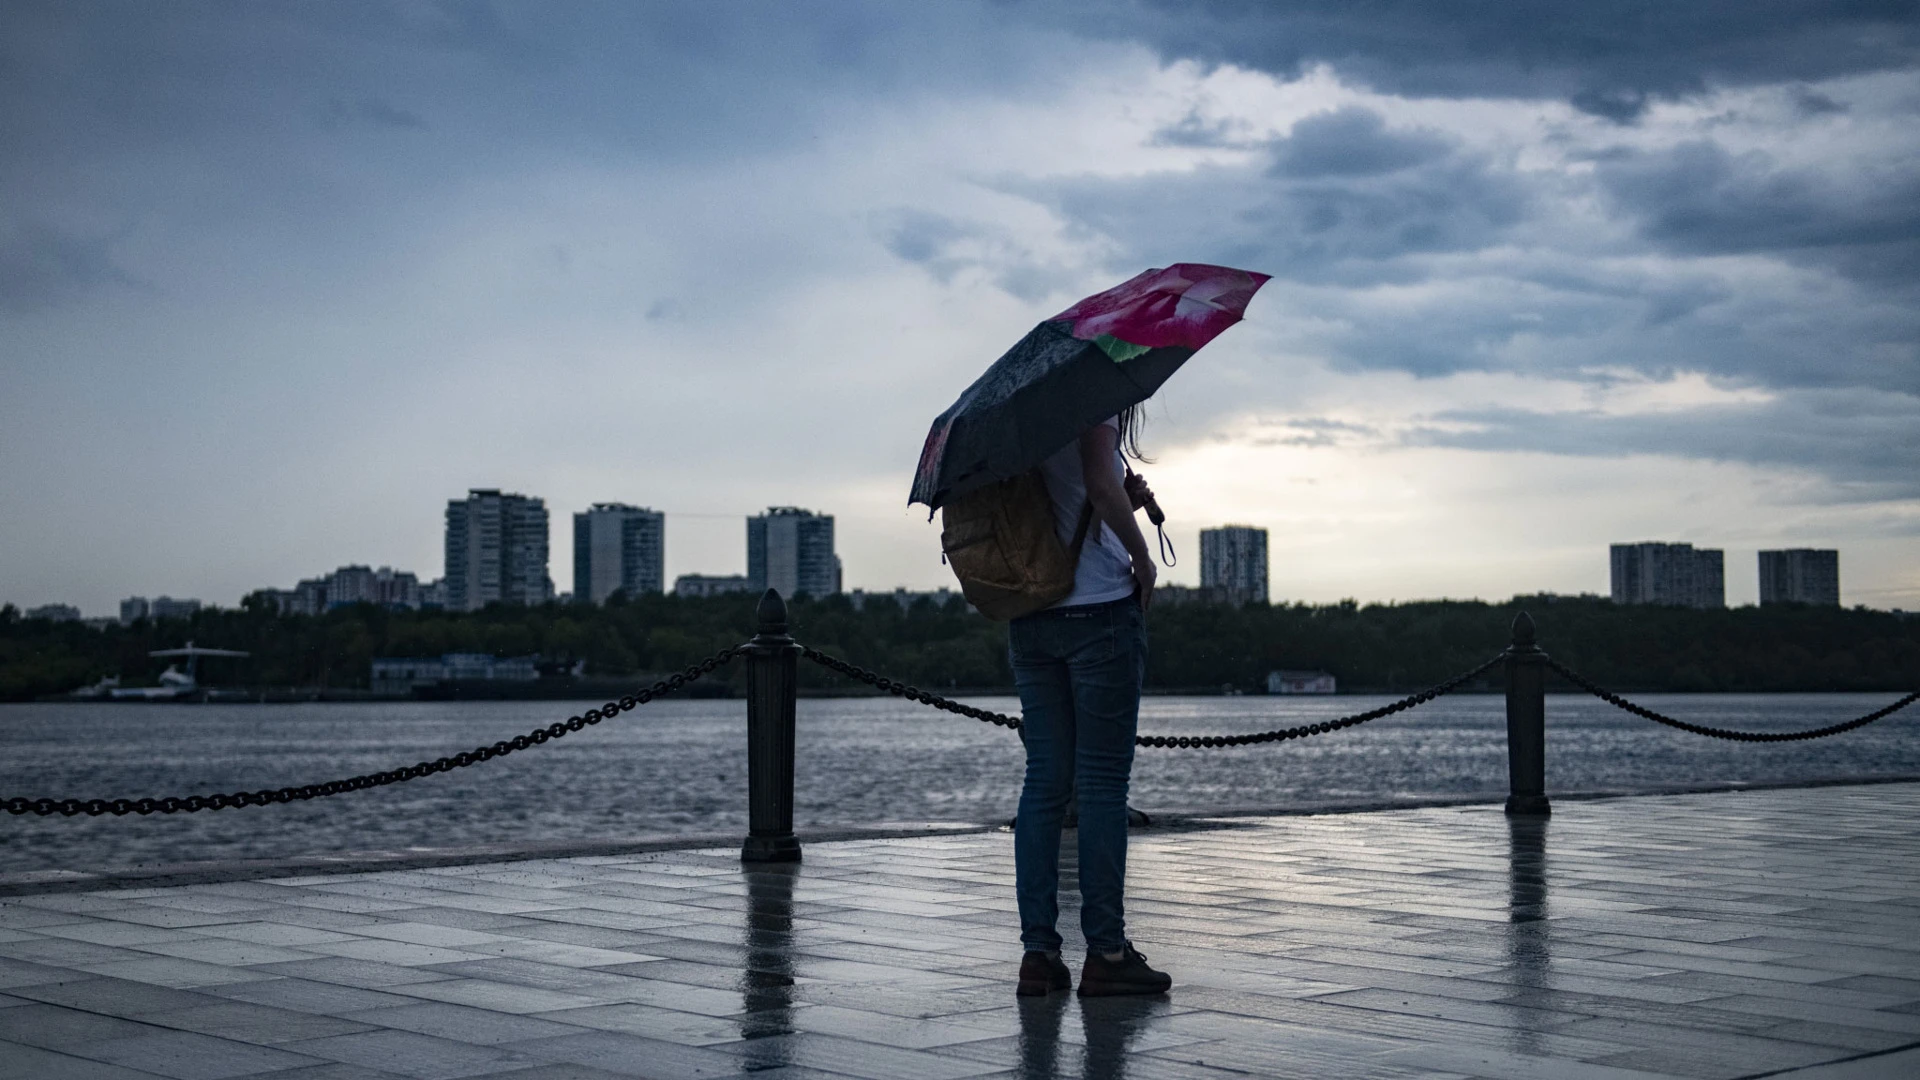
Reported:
(1138, 493)
(1144, 576)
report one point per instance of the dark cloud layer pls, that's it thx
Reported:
(1342, 199)
(1700, 198)
(1607, 57)
(1866, 440)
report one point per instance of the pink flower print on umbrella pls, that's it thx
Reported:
(1184, 305)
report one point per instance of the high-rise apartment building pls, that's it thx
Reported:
(618, 548)
(1679, 574)
(1233, 560)
(1800, 576)
(791, 550)
(496, 550)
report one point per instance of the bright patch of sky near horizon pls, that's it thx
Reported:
(273, 288)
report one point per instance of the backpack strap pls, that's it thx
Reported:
(1080, 532)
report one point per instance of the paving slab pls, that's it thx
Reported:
(1707, 935)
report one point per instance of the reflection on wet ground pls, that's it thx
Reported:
(1099, 1035)
(1727, 935)
(1529, 925)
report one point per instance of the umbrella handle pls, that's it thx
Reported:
(1159, 519)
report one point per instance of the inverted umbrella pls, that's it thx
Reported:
(1075, 370)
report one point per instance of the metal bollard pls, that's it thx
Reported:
(772, 686)
(1526, 722)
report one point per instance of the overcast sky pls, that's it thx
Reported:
(278, 280)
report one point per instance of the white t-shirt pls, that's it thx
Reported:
(1105, 571)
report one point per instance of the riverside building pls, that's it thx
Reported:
(1677, 574)
(385, 587)
(1800, 576)
(55, 613)
(791, 550)
(1233, 564)
(618, 548)
(135, 608)
(496, 550)
(704, 585)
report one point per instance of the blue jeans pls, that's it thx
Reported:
(1079, 671)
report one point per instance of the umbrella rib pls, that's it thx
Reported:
(1209, 303)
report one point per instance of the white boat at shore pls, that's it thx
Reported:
(175, 684)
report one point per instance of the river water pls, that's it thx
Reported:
(678, 766)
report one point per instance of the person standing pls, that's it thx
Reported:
(1079, 666)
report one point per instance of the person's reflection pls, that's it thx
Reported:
(1110, 1027)
(1529, 930)
(1040, 1036)
(766, 981)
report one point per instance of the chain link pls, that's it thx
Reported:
(1182, 742)
(538, 736)
(911, 693)
(1619, 702)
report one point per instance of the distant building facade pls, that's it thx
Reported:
(385, 587)
(791, 550)
(1180, 595)
(1800, 576)
(55, 613)
(400, 675)
(496, 550)
(701, 585)
(1677, 574)
(135, 608)
(905, 598)
(166, 607)
(1299, 682)
(1233, 558)
(617, 548)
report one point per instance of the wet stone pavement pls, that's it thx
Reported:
(1714, 935)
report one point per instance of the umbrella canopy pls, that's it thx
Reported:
(1076, 369)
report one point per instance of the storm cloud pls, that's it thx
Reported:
(1610, 58)
(739, 256)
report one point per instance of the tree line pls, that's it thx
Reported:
(1194, 647)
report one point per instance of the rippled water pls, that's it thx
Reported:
(679, 766)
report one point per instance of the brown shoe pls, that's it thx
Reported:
(1041, 974)
(1130, 974)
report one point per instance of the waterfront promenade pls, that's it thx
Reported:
(1732, 934)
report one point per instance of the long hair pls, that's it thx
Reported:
(1132, 419)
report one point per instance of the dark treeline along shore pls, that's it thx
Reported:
(1199, 648)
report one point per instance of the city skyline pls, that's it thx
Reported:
(792, 549)
(1529, 297)
(1232, 561)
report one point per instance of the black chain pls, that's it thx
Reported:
(1183, 742)
(911, 693)
(536, 737)
(1617, 701)
(1283, 734)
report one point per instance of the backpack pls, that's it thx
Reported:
(1000, 542)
